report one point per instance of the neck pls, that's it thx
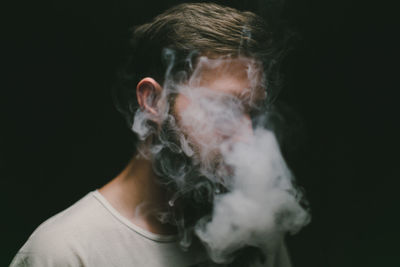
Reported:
(136, 194)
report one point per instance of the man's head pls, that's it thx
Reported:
(196, 76)
(219, 59)
(191, 31)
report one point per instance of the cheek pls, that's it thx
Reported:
(195, 122)
(181, 103)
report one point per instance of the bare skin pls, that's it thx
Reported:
(134, 192)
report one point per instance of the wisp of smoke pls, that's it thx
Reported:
(231, 186)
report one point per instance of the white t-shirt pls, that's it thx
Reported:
(92, 233)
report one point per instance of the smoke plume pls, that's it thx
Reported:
(231, 186)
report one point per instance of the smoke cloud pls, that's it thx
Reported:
(231, 186)
(261, 206)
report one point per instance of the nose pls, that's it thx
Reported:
(244, 131)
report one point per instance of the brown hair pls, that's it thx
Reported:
(193, 28)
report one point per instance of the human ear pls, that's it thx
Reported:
(148, 92)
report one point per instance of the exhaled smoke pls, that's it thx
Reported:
(231, 185)
(262, 204)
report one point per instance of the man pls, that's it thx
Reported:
(201, 72)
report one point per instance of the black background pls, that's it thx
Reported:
(60, 136)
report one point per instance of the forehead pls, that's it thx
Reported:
(228, 76)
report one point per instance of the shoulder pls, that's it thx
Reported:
(44, 249)
(59, 241)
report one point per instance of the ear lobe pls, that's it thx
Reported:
(148, 92)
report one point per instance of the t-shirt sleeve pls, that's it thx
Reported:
(31, 259)
(46, 251)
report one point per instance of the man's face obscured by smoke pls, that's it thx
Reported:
(213, 109)
(202, 116)
(228, 181)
